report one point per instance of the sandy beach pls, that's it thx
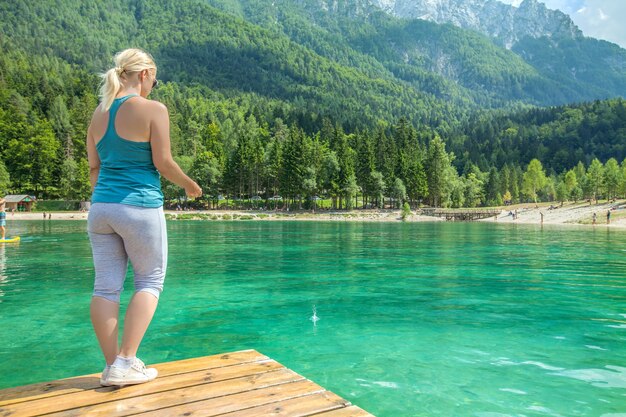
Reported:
(580, 213)
(569, 214)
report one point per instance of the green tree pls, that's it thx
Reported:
(365, 166)
(611, 178)
(398, 192)
(83, 185)
(346, 158)
(5, 179)
(577, 193)
(595, 176)
(622, 184)
(309, 185)
(473, 190)
(205, 170)
(69, 175)
(377, 187)
(213, 142)
(580, 170)
(437, 164)
(507, 197)
(456, 194)
(59, 118)
(534, 179)
(294, 166)
(562, 192)
(350, 191)
(330, 173)
(570, 182)
(406, 211)
(492, 187)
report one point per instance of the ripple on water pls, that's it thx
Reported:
(610, 377)
(594, 347)
(514, 391)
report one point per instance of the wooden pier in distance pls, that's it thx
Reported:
(238, 384)
(460, 214)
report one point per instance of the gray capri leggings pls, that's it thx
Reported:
(119, 232)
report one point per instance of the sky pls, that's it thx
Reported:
(601, 19)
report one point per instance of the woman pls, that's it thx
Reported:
(127, 142)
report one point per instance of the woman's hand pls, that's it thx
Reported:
(193, 190)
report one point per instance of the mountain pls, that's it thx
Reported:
(545, 39)
(331, 55)
(504, 23)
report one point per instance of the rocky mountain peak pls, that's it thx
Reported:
(504, 23)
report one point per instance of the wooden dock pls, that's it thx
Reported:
(238, 384)
(460, 214)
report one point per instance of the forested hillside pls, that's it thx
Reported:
(313, 107)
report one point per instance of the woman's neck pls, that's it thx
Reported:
(126, 91)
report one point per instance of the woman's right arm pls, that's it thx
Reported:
(93, 158)
(162, 153)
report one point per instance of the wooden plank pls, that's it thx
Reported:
(352, 411)
(87, 382)
(295, 407)
(173, 398)
(241, 401)
(244, 377)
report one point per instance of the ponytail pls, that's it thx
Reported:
(126, 62)
(111, 85)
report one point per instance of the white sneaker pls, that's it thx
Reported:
(136, 374)
(104, 376)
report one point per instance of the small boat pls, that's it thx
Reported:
(13, 239)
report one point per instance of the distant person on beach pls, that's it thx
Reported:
(44, 215)
(594, 218)
(608, 217)
(3, 218)
(128, 140)
(541, 212)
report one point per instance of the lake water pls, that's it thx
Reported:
(416, 319)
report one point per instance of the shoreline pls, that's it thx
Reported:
(570, 214)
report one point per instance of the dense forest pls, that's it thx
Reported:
(256, 115)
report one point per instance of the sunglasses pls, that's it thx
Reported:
(155, 83)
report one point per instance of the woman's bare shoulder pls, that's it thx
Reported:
(149, 105)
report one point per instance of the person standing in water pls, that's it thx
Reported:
(3, 218)
(128, 146)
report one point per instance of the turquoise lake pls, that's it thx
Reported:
(416, 319)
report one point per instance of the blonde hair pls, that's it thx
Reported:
(126, 62)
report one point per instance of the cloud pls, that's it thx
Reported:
(601, 19)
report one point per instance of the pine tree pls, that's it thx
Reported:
(437, 164)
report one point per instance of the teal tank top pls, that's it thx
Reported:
(127, 173)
